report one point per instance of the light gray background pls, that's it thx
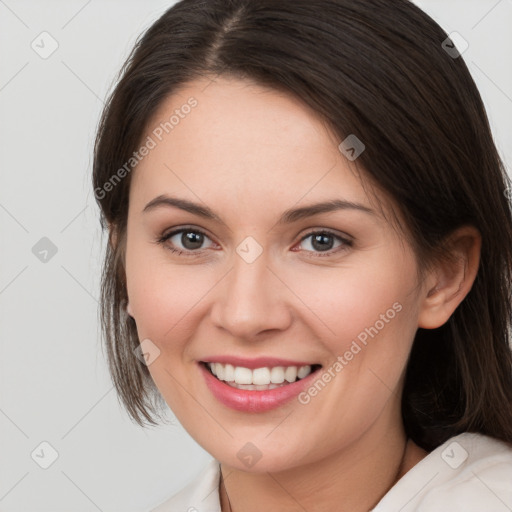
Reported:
(54, 385)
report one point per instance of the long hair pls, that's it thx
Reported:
(378, 69)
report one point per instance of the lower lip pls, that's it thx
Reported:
(251, 400)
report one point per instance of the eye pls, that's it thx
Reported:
(323, 241)
(185, 241)
(189, 242)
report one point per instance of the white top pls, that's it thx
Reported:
(468, 473)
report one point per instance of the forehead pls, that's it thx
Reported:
(232, 138)
(244, 110)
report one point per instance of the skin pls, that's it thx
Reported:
(250, 153)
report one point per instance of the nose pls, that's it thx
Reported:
(251, 300)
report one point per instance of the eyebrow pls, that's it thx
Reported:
(288, 217)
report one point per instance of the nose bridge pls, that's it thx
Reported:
(251, 298)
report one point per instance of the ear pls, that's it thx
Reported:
(112, 240)
(112, 235)
(450, 280)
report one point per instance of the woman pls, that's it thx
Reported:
(310, 257)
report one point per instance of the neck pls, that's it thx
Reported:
(353, 479)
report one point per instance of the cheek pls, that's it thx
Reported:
(165, 297)
(166, 302)
(357, 301)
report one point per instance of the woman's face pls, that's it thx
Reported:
(266, 279)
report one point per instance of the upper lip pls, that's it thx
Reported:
(257, 362)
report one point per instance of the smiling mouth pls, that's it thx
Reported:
(259, 379)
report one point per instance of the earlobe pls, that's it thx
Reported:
(129, 309)
(451, 279)
(112, 236)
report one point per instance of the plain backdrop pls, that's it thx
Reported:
(54, 386)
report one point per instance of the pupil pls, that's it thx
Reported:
(322, 242)
(191, 240)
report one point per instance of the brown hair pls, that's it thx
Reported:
(376, 69)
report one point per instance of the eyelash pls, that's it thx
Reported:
(346, 242)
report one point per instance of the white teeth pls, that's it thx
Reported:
(303, 371)
(277, 374)
(252, 387)
(229, 373)
(259, 378)
(290, 374)
(219, 371)
(242, 375)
